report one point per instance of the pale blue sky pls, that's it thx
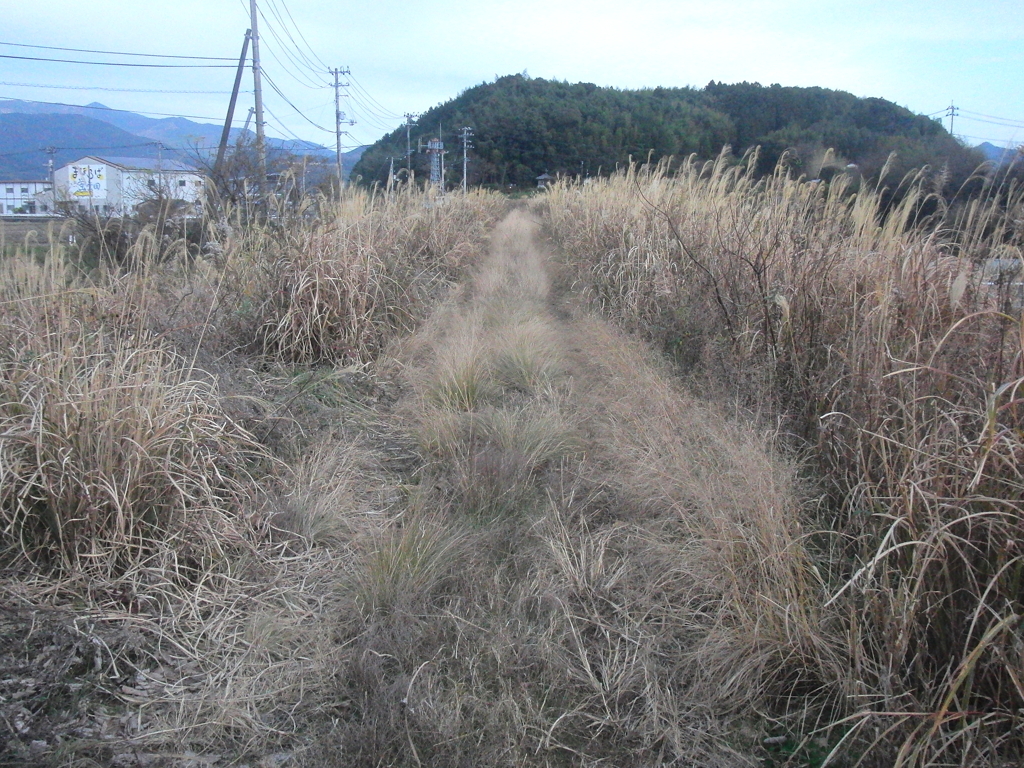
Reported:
(410, 56)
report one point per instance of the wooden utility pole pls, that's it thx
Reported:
(231, 107)
(261, 140)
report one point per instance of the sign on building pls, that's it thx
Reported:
(88, 181)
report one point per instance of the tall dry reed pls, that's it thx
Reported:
(879, 340)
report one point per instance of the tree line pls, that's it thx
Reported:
(525, 127)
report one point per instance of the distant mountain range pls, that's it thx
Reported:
(28, 129)
(998, 155)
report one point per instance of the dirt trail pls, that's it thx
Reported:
(608, 563)
(546, 554)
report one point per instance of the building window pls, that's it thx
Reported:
(24, 190)
(181, 183)
(10, 190)
(151, 183)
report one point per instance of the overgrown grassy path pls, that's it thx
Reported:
(545, 553)
(591, 565)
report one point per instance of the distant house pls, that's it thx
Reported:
(24, 198)
(544, 180)
(117, 186)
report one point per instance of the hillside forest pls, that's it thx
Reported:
(524, 127)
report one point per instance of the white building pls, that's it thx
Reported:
(116, 186)
(19, 198)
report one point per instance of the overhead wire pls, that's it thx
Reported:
(289, 66)
(86, 149)
(998, 142)
(119, 53)
(288, 101)
(384, 110)
(119, 90)
(111, 109)
(299, 31)
(268, 27)
(993, 117)
(360, 100)
(119, 63)
(284, 129)
(308, 62)
(992, 122)
(301, 77)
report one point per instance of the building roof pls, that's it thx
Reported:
(142, 164)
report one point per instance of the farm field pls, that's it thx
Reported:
(669, 468)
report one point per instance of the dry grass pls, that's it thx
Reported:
(112, 454)
(550, 552)
(876, 340)
(140, 516)
(593, 567)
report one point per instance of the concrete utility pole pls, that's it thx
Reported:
(261, 140)
(339, 117)
(408, 144)
(467, 132)
(231, 106)
(951, 112)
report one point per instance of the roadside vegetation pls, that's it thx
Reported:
(886, 347)
(684, 466)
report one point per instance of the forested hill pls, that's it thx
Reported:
(524, 127)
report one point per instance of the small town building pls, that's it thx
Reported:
(544, 180)
(117, 186)
(24, 198)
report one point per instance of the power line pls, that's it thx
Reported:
(313, 66)
(989, 140)
(385, 112)
(385, 122)
(994, 117)
(319, 60)
(84, 149)
(290, 104)
(104, 88)
(111, 109)
(993, 122)
(120, 63)
(301, 77)
(119, 53)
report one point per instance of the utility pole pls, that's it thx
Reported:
(408, 144)
(951, 112)
(339, 117)
(51, 151)
(467, 132)
(261, 141)
(231, 107)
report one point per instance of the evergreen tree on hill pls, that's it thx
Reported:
(528, 126)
